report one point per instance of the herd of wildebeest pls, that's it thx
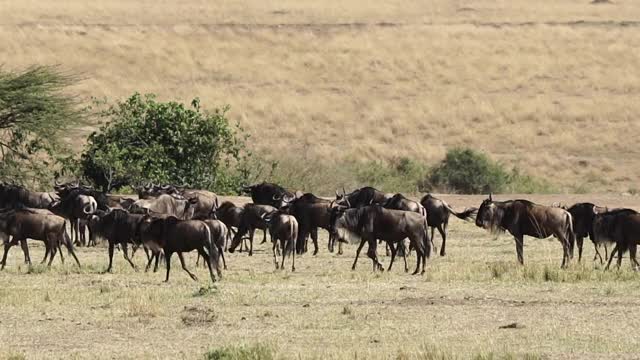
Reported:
(168, 219)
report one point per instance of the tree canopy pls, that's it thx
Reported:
(35, 108)
(164, 142)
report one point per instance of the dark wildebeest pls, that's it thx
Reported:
(165, 204)
(583, 215)
(12, 196)
(438, 212)
(373, 222)
(219, 232)
(362, 197)
(117, 226)
(269, 194)
(312, 213)
(619, 226)
(522, 217)
(284, 229)
(231, 216)
(22, 224)
(177, 236)
(252, 218)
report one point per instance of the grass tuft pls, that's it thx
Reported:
(242, 352)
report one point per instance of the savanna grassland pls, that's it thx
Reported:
(548, 86)
(326, 310)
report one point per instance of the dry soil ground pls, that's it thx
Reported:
(325, 310)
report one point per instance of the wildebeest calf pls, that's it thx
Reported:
(284, 229)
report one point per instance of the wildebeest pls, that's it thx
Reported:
(619, 226)
(522, 217)
(312, 213)
(372, 222)
(150, 191)
(438, 212)
(75, 205)
(12, 196)
(165, 204)
(23, 224)
(205, 203)
(173, 235)
(252, 218)
(219, 232)
(583, 215)
(284, 230)
(362, 197)
(117, 226)
(269, 194)
(231, 216)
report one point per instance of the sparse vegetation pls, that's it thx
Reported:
(243, 352)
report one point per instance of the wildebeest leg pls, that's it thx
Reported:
(613, 253)
(264, 236)
(157, 254)
(149, 259)
(597, 254)
(340, 252)
(605, 250)
(221, 252)
(7, 245)
(373, 255)
(387, 247)
(47, 249)
(565, 250)
(205, 256)
(394, 251)
(362, 242)
(275, 257)
(314, 237)
(69, 245)
(519, 248)
(580, 242)
(25, 250)
(251, 241)
(54, 250)
(184, 266)
(404, 256)
(433, 245)
(443, 234)
(111, 249)
(125, 252)
(167, 259)
(283, 245)
(632, 255)
(330, 244)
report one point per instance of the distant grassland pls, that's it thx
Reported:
(549, 86)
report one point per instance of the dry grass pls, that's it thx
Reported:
(325, 310)
(550, 87)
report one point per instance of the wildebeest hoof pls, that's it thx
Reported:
(195, 278)
(233, 250)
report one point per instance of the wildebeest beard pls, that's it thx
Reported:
(494, 223)
(348, 226)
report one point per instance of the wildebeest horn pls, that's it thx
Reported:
(344, 192)
(347, 200)
(55, 181)
(490, 199)
(337, 195)
(276, 197)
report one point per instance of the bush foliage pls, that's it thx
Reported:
(165, 142)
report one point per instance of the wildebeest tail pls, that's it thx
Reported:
(426, 242)
(570, 234)
(213, 250)
(468, 214)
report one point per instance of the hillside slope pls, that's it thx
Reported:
(549, 86)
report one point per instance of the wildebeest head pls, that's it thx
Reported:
(489, 215)
(344, 223)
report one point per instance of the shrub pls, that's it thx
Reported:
(165, 142)
(469, 172)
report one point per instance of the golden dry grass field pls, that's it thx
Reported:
(326, 310)
(550, 86)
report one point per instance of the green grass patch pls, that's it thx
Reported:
(242, 352)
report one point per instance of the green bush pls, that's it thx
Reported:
(468, 172)
(165, 142)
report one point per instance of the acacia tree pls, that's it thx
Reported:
(165, 142)
(35, 109)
